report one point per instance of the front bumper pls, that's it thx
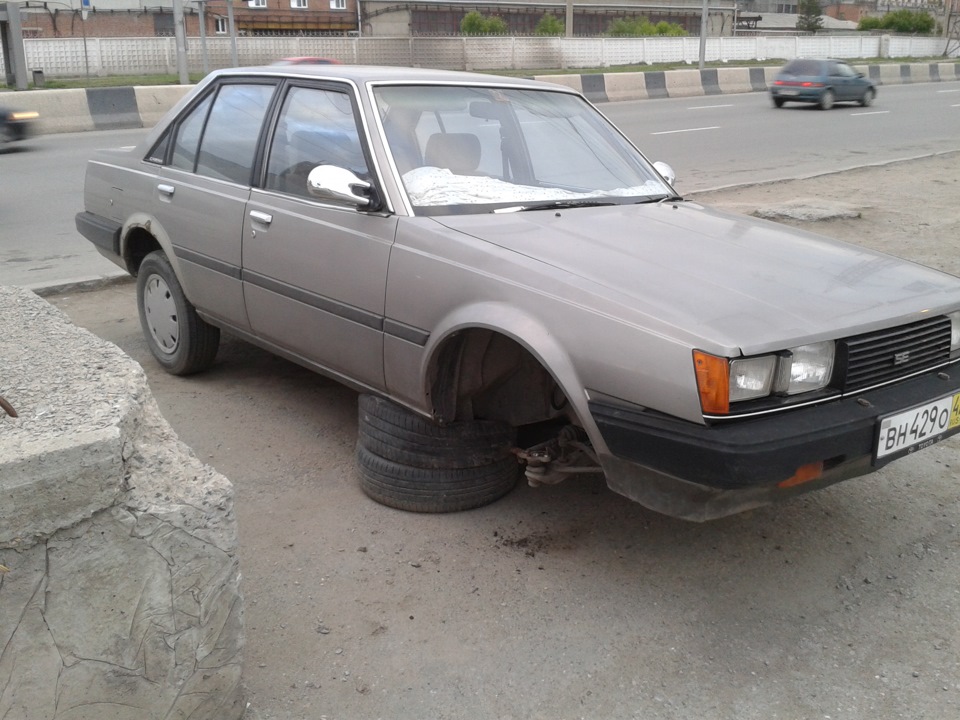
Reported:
(703, 471)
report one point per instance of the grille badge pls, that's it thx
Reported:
(901, 357)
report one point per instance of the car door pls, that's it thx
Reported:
(314, 270)
(202, 190)
(843, 80)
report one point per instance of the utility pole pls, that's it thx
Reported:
(14, 57)
(203, 37)
(704, 16)
(181, 39)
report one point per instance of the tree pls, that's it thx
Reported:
(550, 25)
(809, 19)
(914, 22)
(474, 23)
(641, 27)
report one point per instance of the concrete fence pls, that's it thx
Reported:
(64, 57)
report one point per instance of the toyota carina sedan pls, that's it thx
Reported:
(514, 289)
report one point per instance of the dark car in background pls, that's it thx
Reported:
(16, 124)
(822, 82)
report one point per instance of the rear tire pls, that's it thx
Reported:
(180, 341)
(778, 102)
(410, 463)
(827, 100)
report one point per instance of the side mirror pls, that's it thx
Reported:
(666, 172)
(330, 182)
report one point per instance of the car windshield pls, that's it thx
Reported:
(476, 149)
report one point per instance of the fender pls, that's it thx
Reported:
(528, 332)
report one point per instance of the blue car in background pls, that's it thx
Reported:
(822, 82)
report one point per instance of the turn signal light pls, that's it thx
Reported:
(713, 382)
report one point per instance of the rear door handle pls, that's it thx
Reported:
(165, 189)
(261, 217)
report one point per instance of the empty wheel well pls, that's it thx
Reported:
(139, 244)
(482, 374)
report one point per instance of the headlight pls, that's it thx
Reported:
(954, 330)
(810, 367)
(798, 370)
(752, 377)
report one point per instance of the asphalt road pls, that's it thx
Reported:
(711, 142)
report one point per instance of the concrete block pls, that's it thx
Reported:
(61, 111)
(120, 593)
(153, 102)
(683, 83)
(626, 86)
(889, 74)
(919, 72)
(734, 80)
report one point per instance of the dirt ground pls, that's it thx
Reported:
(571, 601)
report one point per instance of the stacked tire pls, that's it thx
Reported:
(411, 463)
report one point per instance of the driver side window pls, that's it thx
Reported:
(316, 127)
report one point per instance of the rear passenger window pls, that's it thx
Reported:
(188, 138)
(229, 140)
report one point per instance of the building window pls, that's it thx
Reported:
(338, 4)
(220, 26)
(298, 4)
(257, 3)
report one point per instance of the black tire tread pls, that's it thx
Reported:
(432, 490)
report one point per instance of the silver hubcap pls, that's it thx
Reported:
(161, 313)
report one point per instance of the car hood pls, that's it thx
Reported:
(738, 282)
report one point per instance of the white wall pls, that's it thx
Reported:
(132, 56)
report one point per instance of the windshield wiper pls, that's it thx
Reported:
(555, 205)
(660, 199)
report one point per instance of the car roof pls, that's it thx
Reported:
(363, 74)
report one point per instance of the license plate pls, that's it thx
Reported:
(917, 428)
(789, 92)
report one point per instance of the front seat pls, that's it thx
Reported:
(458, 152)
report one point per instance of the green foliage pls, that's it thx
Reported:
(641, 27)
(913, 22)
(474, 23)
(550, 25)
(809, 16)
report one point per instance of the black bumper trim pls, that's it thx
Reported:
(101, 231)
(766, 450)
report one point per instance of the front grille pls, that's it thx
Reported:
(879, 357)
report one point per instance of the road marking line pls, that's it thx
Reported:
(947, 91)
(709, 107)
(673, 132)
(875, 112)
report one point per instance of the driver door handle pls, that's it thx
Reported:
(261, 217)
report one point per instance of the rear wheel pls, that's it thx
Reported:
(868, 95)
(827, 99)
(178, 338)
(778, 102)
(409, 462)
